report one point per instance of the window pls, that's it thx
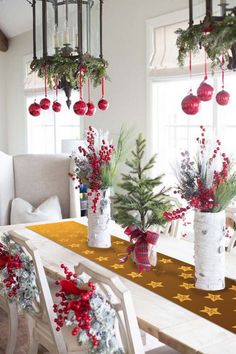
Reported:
(173, 130)
(46, 132)
(169, 128)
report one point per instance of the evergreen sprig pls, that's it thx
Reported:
(140, 206)
(58, 67)
(217, 42)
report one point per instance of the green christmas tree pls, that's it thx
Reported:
(142, 203)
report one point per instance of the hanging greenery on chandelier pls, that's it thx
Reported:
(217, 38)
(58, 67)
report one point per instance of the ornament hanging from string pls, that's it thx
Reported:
(45, 102)
(34, 109)
(56, 106)
(191, 103)
(222, 97)
(205, 91)
(103, 104)
(91, 107)
(80, 107)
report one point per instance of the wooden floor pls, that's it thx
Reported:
(22, 334)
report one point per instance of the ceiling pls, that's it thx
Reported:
(15, 17)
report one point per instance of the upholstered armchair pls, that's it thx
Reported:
(35, 178)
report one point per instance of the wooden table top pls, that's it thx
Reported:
(171, 324)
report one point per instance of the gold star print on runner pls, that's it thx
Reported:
(155, 284)
(187, 286)
(211, 311)
(172, 279)
(214, 297)
(182, 297)
(185, 269)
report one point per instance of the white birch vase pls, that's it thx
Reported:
(98, 222)
(209, 250)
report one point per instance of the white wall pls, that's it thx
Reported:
(3, 121)
(15, 101)
(124, 48)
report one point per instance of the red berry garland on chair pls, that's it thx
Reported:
(222, 97)
(80, 107)
(103, 104)
(45, 102)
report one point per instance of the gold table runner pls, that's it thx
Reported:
(171, 278)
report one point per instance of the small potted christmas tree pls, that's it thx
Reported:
(140, 207)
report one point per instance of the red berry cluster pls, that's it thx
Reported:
(204, 200)
(12, 262)
(75, 298)
(175, 214)
(96, 160)
(195, 191)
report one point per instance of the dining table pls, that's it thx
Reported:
(170, 323)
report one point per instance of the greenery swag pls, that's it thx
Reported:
(216, 38)
(58, 67)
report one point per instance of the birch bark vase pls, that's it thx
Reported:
(209, 250)
(98, 222)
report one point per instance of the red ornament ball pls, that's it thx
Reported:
(45, 103)
(103, 104)
(205, 92)
(35, 109)
(190, 104)
(80, 108)
(91, 109)
(56, 106)
(222, 98)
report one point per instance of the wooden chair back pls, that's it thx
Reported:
(120, 299)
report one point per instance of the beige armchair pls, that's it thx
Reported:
(35, 178)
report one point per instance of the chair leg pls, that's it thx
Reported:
(34, 347)
(13, 328)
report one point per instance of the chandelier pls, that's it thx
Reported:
(68, 52)
(215, 33)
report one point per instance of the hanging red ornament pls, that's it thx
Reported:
(222, 98)
(91, 109)
(80, 108)
(190, 104)
(35, 109)
(205, 92)
(103, 104)
(45, 103)
(56, 106)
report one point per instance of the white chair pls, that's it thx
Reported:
(171, 228)
(11, 310)
(230, 214)
(41, 326)
(35, 178)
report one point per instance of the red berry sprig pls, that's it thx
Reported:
(75, 298)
